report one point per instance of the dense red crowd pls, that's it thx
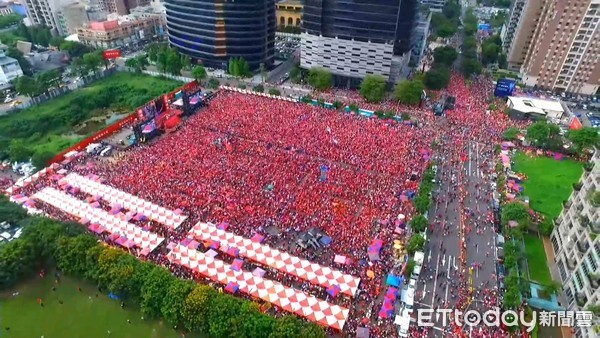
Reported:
(255, 163)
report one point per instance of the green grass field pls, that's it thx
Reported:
(536, 259)
(58, 134)
(81, 314)
(549, 182)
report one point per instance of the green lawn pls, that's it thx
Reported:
(549, 182)
(78, 316)
(51, 126)
(536, 259)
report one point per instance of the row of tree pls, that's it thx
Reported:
(166, 59)
(445, 24)
(421, 202)
(197, 308)
(542, 134)
(470, 63)
(10, 20)
(238, 67)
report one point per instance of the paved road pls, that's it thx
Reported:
(441, 280)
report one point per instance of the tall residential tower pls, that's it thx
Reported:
(555, 44)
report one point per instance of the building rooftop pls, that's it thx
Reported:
(290, 2)
(535, 105)
(5, 60)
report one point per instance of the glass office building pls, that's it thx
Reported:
(213, 31)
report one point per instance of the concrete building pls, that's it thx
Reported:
(518, 31)
(352, 39)
(9, 67)
(433, 5)
(420, 35)
(289, 13)
(121, 7)
(45, 12)
(76, 15)
(576, 244)
(555, 44)
(114, 34)
(159, 12)
(5, 8)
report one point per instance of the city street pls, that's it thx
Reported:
(441, 279)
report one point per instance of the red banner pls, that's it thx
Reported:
(111, 54)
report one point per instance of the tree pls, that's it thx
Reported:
(372, 88)
(553, 287)
(446, 29)
(541, 133)
(510, 134)
(199, 73)
(244, 68)
(74, 49)
(186, 61)
(502, 61)
(437, 78)
(152, 291)
(287, 327)
(153, 49)
(18, 151)
(11, 212)
(92, 61)
(409, 91)
(415, 243)
(295, 73)
(173, 304)
(213, 83)
(586, 137)
(410, 267)
(489, 51)
(445, 55)
(263, 71)
(258, 88)
(27, 86)
(470, 66)
(174, 64)
(470, 23)
(9, 20)
(451, 10)
(48, 79)
(515, 211)
(40, 158)
(56, 41)
(196, 308)
(274, 92)
(418, 223)
(319, 78)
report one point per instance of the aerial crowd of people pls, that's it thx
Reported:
(262, 164)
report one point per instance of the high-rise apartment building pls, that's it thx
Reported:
(45, 12)
(576, 244)
(213, 31)
(354, 38)
(555, 44)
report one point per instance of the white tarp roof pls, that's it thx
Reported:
(552, 108)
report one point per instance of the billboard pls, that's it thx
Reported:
(111, 54)
(504, 87)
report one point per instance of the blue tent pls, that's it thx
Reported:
(393, 281)
(325, 240)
